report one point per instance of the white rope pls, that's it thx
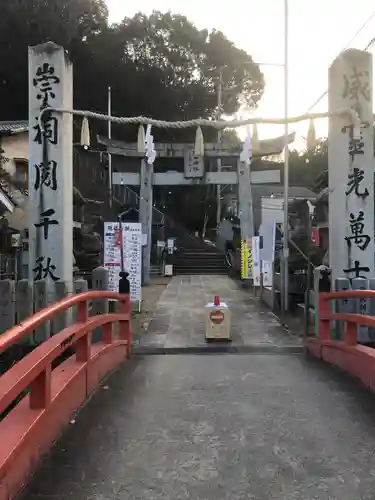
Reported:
(201, 122)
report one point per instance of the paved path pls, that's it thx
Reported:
(178, 321)
(217, 426)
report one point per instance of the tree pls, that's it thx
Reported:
(159, 65)
(30, 22)
(306, 168)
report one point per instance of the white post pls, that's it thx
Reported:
(50, 209)
(218, 161)
(351, 168)
(245, 201)
(145, 216)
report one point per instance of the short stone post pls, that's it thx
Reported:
(41, 299)
(320, 285)
(345, 306)
(362, 306)
(7, 308)
(99, 282)
(371, 332)
(80, 286)
(61, 320)
(24, 303)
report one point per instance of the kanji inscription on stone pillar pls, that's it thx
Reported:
(351, 168)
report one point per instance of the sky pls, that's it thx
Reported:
(318, 31)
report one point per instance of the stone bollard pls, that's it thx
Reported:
(371, 284)
(43, 331)
(342, 306)
(99, 282)
(7, 309)
(61, 320)
(24, 304)
(321, 284)
(361, 306)
(80, 286)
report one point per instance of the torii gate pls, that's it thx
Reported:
(194, 174)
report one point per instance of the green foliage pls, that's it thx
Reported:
(159, 65)
(306, 168)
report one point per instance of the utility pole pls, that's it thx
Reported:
(110, 137)
(285, 280)
(219, 137)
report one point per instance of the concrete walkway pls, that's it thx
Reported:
(216, 426)
(178, 321)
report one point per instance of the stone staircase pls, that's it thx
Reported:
(200, 261)
(194, 255)
(155, 270)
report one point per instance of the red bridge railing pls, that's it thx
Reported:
(347, 354)
(30, 427)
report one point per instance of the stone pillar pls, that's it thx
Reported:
(245, 203)
(145, 216)
(50, 209)
(351, 168)
(99, 282)
(7, 305)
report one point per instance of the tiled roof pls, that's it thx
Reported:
(14, 127)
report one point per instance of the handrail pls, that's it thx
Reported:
(55, 393)
(22, 374)
(24, 328)
(346, 353)
(352, 320)
(347, 294)
(227, 259)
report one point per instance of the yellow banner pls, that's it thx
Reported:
(250, 265)
(244, 259)
(247, 263)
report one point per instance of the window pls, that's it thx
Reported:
(22, 171)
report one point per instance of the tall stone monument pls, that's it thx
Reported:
(50, 210)
(351, 168)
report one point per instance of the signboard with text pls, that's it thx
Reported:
(130, 235)
(193, 165)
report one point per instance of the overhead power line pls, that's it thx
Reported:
(369, 44)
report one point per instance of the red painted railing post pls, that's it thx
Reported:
(82, 312)
(324, 308)
(107, 333)
(83, 348)
(40, 390)
(125, 332)
(351, 333)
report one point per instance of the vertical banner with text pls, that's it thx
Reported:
(247, 262)
(256, 260)
(130, 235)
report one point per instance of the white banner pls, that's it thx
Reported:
(267, 269)
(132, 252)
(256, 260)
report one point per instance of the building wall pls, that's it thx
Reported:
(15, 146)
(272, 209)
